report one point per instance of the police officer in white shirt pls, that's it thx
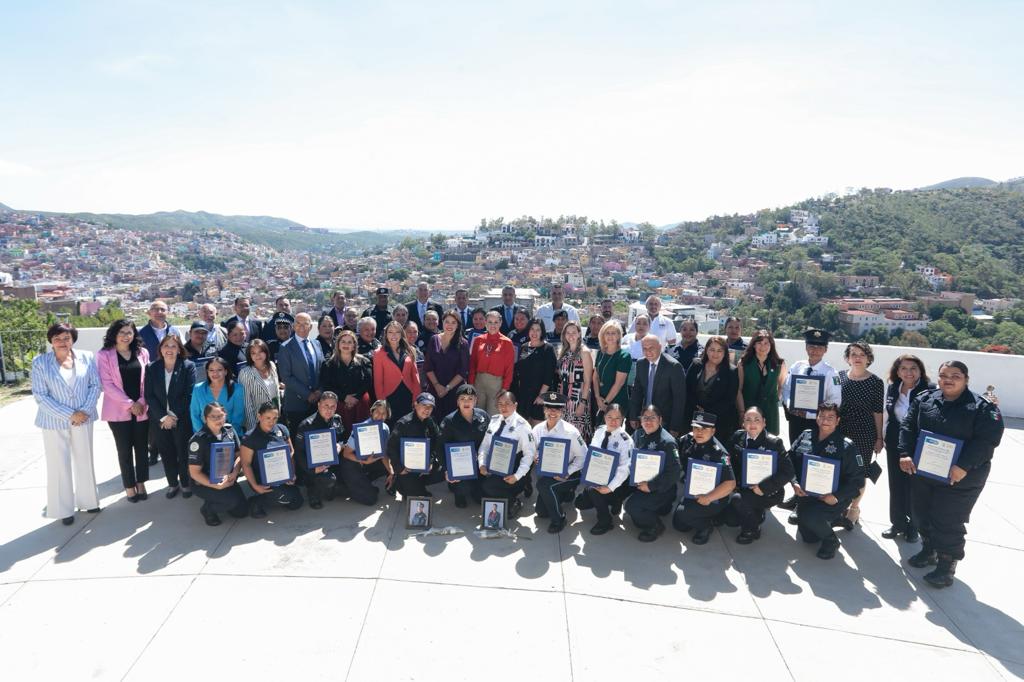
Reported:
(661, 325)
(816, 343)
(552, 491)
(508, 424)
(546, 312)
(607, 500)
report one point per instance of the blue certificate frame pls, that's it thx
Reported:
(689, 476)
(263, 471)
(591, 450)
(380, 435)
(922, 439)
(448, 447)
(316, 434)
(426, 447)
(511, 460)
(218, 453)
(755, 451)
(565, 444)
(824, 460)
(645, 454)
(793, 380)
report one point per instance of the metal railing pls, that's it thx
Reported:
(17, 349)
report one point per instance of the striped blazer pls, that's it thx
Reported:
(56, 401)
(256, 392)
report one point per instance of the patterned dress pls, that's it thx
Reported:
(570, 381)
(861, 400)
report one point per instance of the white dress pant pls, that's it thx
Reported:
(70, 476)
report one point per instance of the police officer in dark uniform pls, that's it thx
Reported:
(226, 496)
(654, 498)
(282, 323)
(417, 424)
(942, 508)
(381, 312)
(467, 424)
(699, 514)
(266, 433)
(815, 515)
(749, 505)
(321, 481)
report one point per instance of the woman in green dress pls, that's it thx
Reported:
(611, 369)
(762, 373)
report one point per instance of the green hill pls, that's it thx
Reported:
(961, 183)
(6, 209)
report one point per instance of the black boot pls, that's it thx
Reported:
(528, 488)
(926, 557)
(943, 574)
(788, 505)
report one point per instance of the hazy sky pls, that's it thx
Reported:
(434, 114)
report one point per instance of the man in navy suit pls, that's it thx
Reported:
(298, 368)
(156, 329)
(463, 309)
(252, 326)
(508, 308)
(660, 382)
(421, 304)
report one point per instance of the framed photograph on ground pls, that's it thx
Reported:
(494, 513)
(417, 513)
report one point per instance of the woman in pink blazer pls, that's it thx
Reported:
(122, 369)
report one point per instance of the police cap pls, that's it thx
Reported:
(816, 337)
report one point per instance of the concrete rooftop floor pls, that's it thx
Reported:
(148, 592)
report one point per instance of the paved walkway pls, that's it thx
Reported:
(148, 592)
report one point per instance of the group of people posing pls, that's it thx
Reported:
(470, 376)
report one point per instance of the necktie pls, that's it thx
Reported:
(508, 316)
(650, 383)
(809, 371)
(604, 443)
(309, 361)
(500, 429)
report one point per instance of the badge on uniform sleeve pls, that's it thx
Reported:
(193, 447)
(835, 380)
(860, 461)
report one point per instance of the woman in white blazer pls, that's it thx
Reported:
(66, 386)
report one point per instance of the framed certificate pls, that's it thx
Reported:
(502, 456)
(646, 465)
(222, 461)
(806, 392)
(460, 461)
(321, 448)
(758, 465)
(417, 513)
(554, 456)
(701, 477)
(936, 454)
(599, 467)
(415, 454)
(820, 475)
(494, 513)
(275, 465)
(369, 437)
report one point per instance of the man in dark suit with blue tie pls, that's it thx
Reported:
(298, 368)
(463, 309)
(660, 382)
(253, 327)
(507, 309)
(421, 304)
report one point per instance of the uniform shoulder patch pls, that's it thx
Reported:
(835, 380)
(860, 460)
(623, 436)
(193, 446)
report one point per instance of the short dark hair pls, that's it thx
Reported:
(956, 364)
(507, 394)
(240, 298)
(267, 407)
(210, 407)
(863, 347)
(829, 406)
(58, 328)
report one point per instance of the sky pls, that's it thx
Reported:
(433, 115)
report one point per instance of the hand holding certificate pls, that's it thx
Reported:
(321, 448)
(936, 455)
(647, 464)
(415, 454)
(820, 475)
(599, 467)
(275, 465)
(222, 461)
(502, 456)
(460, 459)
(554, 456)
(758, 465)
(369, 440)
(806, 392)
(701, 477)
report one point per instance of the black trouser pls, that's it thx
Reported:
(130, 441)
(798, 425)
(495, 486)
(317, 485)
(749, 507)
(645, 508)
(692, 515)
(551, 494)
(601, 502)
(942, 510)
(816, 518)
(414, 483)
(900, 506)
(172, 444)
(358, 479)
(229, 500)
(467, 489)
(282, 496)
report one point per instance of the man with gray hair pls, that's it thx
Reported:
(366, 330)
(421, 304)
(661, 325)
(214, 332)
(659, 382)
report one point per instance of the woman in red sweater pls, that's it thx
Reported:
(490, 364)
(395, 376)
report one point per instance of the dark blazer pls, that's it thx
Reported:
(669, 394)
(505, 326)
(892, 425)
(150, 341)
(176, 398)
(293, 371)
(719, 399)
(414, 311)
(255, 327)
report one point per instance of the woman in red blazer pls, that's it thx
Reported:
(395, 376)
(122, 369)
